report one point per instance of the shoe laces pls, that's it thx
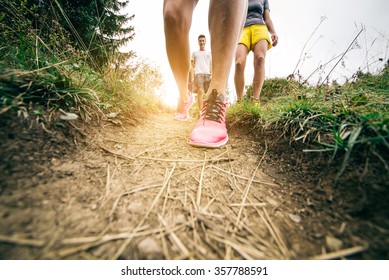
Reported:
(213, 108)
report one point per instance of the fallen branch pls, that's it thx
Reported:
(244, 178)
(127, 241)
(341, 253)
(174, 238)
(165, 160)
(22, 241)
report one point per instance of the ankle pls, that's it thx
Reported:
(214, 92)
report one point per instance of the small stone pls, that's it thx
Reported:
(272, 202)
(295, 218)
(68, 116)
(150, 249)
(333, 244)
(45, 202)
(135, 207)
(180, 219)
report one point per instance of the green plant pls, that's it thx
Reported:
(342, 120)
(67, 58)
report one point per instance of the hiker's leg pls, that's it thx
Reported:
(225, 21)
(177, 16)
(240, 64)
(260, 50)
(200, 94)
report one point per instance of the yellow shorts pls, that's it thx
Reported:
(253, 34)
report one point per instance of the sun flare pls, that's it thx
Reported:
(170, 93)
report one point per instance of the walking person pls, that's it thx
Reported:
(201, 65)
(223, 15)
(255, 37)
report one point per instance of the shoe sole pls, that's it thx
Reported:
(209, 145)
(180, 120)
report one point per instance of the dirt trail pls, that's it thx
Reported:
(144, 193)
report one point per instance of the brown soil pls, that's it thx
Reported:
(142, 192)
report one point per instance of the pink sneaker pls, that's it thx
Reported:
(210, 131)
(182, 113)
(181, 117)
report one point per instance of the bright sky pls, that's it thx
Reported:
(294, 21)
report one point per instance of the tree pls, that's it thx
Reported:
(99, 26)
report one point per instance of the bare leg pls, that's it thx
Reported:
(200, 94)
(226, 19)
(177, 16)
(260, 49)
(240, 64)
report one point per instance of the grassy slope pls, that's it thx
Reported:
(342, 120)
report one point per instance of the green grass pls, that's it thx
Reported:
(42, 71)
(341, 120)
